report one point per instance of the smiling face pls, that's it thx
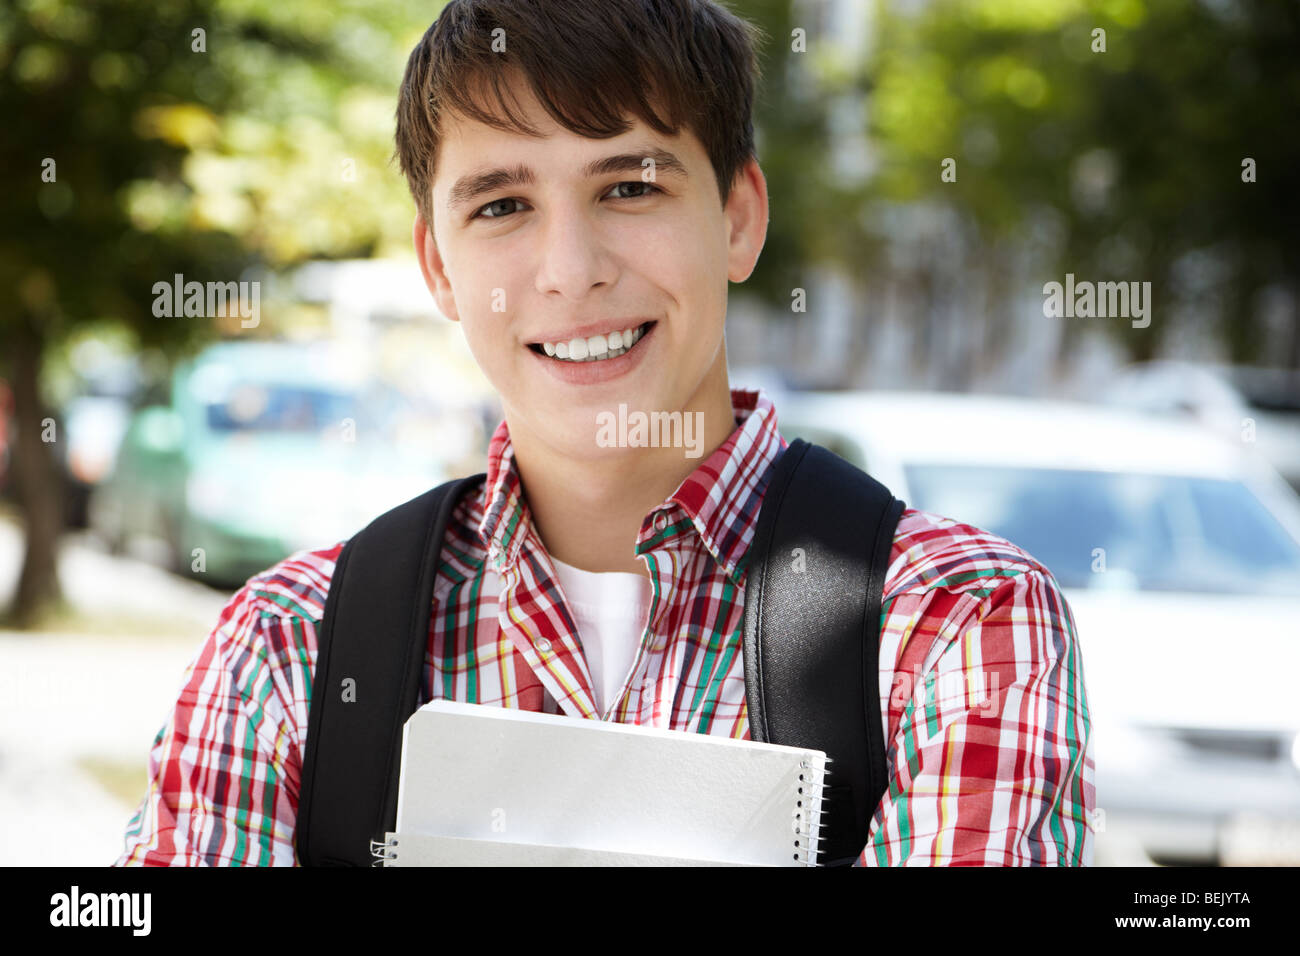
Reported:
(540, 242)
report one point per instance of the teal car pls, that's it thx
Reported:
(264, 449)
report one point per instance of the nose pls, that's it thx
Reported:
(574, 256)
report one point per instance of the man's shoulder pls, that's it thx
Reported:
(932, 551)
(293, 587)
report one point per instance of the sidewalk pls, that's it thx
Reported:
(66, 698)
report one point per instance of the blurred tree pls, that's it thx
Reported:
(147, 139)
(1115, 163)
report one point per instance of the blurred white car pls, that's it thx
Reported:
(1253, 405)
(1179, 554)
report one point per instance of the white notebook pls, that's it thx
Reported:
(485, 785)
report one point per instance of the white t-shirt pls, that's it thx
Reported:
(610, 609)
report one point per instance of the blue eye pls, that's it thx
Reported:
(650, 190)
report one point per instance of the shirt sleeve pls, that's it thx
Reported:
(990, 765)
(224, 769)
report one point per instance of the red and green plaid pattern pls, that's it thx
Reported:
(981, 681)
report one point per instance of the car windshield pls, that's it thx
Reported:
(262, 406)
(1105, 529)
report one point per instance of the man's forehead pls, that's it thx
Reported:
(472, 151)
(481, 160)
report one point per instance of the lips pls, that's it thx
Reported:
(592, 371)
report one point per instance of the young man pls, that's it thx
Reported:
(603, 579)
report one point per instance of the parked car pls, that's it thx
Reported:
(265, 449)
(1179, 554)
(1249, 405)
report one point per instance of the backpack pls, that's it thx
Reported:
(810, 650)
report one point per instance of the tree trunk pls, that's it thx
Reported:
(38, 485)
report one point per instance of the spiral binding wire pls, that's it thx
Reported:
(836, 799)
(808, 842)
(383, 851)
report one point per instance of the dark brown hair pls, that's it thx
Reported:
(589, 63)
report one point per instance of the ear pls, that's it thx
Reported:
(431, 267)
(746, 213)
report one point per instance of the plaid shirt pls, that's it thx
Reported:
(981, 680)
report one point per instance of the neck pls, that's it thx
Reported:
(588, 512)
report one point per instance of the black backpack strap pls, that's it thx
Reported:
(374, 634)
(812, 630)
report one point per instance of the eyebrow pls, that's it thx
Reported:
(472, 185)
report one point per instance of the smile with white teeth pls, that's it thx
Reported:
(594, 348)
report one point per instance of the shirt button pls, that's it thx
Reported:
(661, 521)
(543, 645)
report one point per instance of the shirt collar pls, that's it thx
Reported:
(718, 501)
